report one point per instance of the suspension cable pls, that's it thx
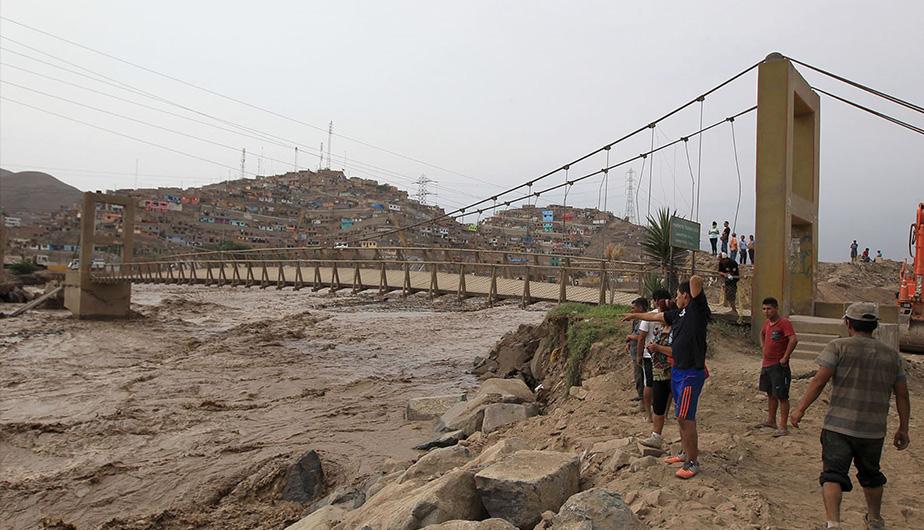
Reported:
(731, 122)
(893, 99)
(699, 159)
(876, 113)
(686, 149)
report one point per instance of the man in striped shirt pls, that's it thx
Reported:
(864, 373)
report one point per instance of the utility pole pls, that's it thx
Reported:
(321, 157)
(260, 164)
(243, 160)
(295, 166)
(330, 139)
(631, 214)
(422, 191)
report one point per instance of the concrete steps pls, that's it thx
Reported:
(814, 334)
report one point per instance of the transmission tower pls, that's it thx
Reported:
(321, 159)
(330, 137)
(243, 160)
(422, 191)
(631, 214)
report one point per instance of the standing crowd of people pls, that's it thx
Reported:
(668, 347)
(865, 257)
(739, 250)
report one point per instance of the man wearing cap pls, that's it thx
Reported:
(864, 373)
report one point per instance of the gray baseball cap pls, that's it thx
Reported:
(863, 311)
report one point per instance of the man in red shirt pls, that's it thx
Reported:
(778, 340)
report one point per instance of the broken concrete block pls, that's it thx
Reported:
(466, 416)
(437, 462)
(428, 408)
(650, 451)
(578, 392)
(418, 503)
(500, 414)
(507, 388)
(442, 440)
(522, 486)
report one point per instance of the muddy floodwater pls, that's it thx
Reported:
(184, 415)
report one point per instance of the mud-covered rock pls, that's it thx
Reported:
(441, 440)
(487, 524)
(304, 480)
(431, 407)
(437, 462)
(596, 509)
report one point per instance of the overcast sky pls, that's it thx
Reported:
(481, 95)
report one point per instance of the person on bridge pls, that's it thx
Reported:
(726, 230)
(689, 323)
(714, 237)
(730, 272)
(733, 247)
(777, 341)
(864, 373)
(853, 251)
(752, 248)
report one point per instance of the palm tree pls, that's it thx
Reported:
(656, 246)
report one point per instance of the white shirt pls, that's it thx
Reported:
(653, 329)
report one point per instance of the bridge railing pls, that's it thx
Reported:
(577, 278)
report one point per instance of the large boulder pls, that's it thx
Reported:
(437, 462)
(511, 390)
(428, 408)
(501, 414)
(596, 509)
(522, 486)
(304, 480)
(487, 524)
(416, 503)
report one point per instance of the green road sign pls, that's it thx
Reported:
(684, 233)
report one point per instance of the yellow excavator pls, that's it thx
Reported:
(910, 284)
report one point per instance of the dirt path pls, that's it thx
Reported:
(181, 417)
(749, 479)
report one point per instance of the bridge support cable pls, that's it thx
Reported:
(876, 113)
(699, 158)
(642, 156)
(855, 84)
(731, 123)
(582, 158)
(686, 149)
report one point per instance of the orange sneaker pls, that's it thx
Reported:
(689, 470)
(676, 459)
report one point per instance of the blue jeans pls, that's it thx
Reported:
(725, 246)
(734, 255)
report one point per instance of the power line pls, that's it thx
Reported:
(257, 134)
(130, 137)
(241, 102)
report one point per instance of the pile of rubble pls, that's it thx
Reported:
(464, 482)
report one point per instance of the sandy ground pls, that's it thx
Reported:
(749, 479)
(183, 416)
